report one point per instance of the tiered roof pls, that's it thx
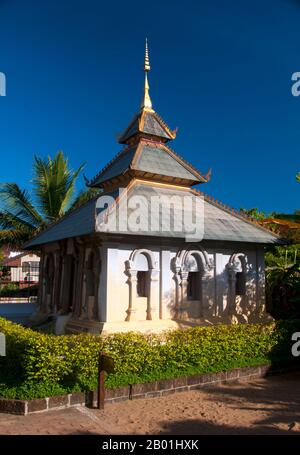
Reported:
(148, 167)
(147, 158)
(146, 154)
(147, 122)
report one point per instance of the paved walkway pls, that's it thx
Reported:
(263, 406)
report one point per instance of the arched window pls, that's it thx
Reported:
(240, 283)
(237, 268)
(143, 273)
(192, 274)
(194, 279)
(141, 283)
(193, 288)
(143, 279)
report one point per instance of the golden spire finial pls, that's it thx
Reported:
(147, 63)
(146, 101)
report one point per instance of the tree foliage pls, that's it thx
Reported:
(24, 213)
(283, 281)
(254, 213)
(282, 263)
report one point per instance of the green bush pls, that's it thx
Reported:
(8, 289)
(14, 290)
(35, 360)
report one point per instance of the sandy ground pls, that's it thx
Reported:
(264, 406)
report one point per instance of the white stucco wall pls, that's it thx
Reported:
(114, 298)
(117, 297)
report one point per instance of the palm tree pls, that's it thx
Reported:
(23, 214)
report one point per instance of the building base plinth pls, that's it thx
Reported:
(105, 328)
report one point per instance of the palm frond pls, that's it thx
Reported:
(14, 238)
(83, 197)
(9, 220)
(54, 185)
(18, 202)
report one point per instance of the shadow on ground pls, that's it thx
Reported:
(276, 401)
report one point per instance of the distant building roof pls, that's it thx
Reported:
(16, 260)
(284, 223)
(8, 252)
(12, 262)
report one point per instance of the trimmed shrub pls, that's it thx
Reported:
(69, 362)
(14, 290)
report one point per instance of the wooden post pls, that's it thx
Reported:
(106, 364)
(101, 378)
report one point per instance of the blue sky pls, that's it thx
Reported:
(221, 72)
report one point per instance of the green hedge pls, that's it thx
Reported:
(14, 290)
(37, 361)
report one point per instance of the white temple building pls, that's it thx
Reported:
(151, 252)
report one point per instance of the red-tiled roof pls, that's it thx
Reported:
(15, 261)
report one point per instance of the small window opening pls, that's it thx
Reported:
(142, 283)
(193, 288)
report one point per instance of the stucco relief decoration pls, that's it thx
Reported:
(186, 261)
(131, 270)
(239, 288)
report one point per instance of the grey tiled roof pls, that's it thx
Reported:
(153, 157)
(132, 129)
(118, 166)
(152, 125)
(79, 222)
(158, 161)
(221, 225)
(218, 223)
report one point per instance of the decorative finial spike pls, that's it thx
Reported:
(147, 62)
(146, 101)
